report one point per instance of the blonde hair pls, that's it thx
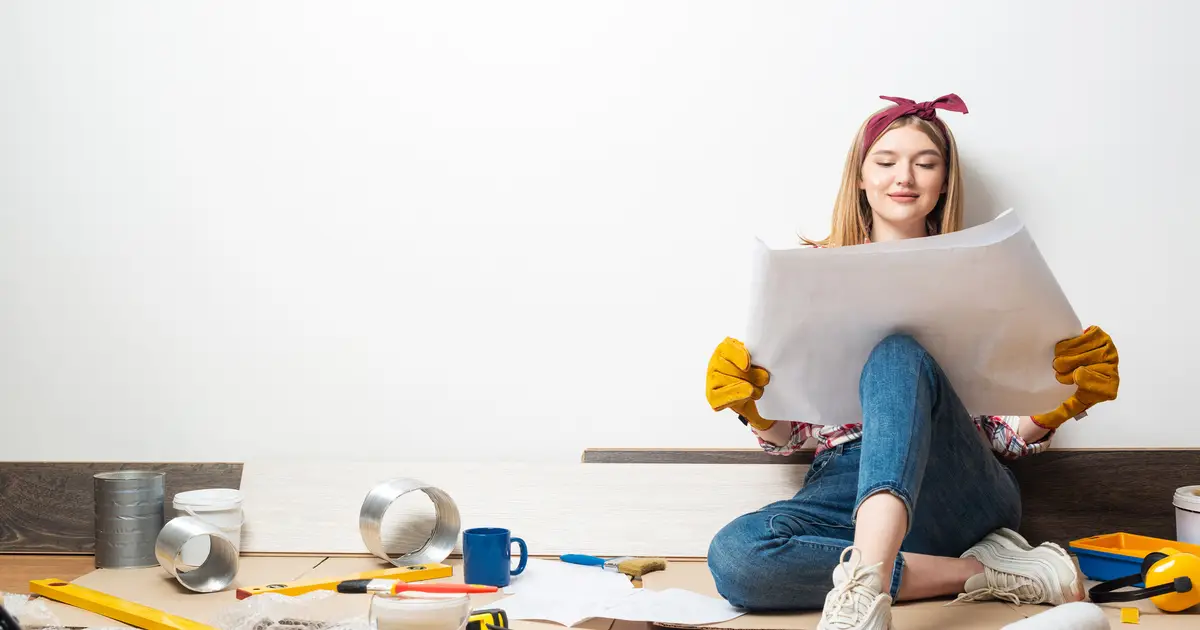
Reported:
(852, 216)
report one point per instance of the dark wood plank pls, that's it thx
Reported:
(691, 456)
(48, 507)
(1071, 494)
(1066, 494)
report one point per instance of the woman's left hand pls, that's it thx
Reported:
(1088, 361)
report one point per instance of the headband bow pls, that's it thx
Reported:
(905, 107)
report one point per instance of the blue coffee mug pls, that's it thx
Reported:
(487, 556)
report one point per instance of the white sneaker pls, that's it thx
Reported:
(1017, 572)
(856, 601)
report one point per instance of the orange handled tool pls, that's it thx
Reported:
(442, 587)
(399, 586)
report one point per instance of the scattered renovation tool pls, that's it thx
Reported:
(487, 618)
(631, 566)
(414, 573)
(366, 586)
(396, 586)
(113, 607)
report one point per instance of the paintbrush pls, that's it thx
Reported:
(629, 565)
(397, 586)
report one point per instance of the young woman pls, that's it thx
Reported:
(910, 501)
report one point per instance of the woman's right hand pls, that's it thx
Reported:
(734, 383)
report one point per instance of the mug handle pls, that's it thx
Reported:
(524, 556)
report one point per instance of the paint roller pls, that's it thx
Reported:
(1070, 616)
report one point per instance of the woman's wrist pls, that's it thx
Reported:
(1031, 431)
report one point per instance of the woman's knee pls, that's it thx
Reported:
(897, 353)
(731, 559)
(751, 573)
(897, 346)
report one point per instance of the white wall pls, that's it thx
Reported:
(377, 230)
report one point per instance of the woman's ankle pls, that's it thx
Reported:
(925, 577)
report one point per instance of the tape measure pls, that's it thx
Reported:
(415, 573)
(488, 619)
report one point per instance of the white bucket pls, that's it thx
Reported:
(221, 507)
(1187, 514)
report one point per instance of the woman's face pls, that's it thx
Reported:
(903, 176)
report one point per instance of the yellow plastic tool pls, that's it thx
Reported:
(415, 573)
(113, 607)
(482, 619)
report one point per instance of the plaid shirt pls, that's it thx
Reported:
(1000, 432)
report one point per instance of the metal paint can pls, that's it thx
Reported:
(129, 516)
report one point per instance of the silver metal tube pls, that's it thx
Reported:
(218, 569)
(128, 517)
(441, 540)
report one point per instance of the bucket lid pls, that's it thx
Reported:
(219, 498)
(1188, 496)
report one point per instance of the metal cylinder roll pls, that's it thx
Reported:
(128, 517)
(441, 540)
(218, 569)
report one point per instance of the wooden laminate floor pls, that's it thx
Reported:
(16, 570)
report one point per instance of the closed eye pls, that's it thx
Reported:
(885, 164)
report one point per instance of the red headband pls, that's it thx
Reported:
(905, 107)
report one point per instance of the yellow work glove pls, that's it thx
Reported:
(1088, 361)
(733, 383)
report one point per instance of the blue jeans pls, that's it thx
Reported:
(919, 444)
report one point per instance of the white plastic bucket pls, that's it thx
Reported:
(1187, 514)
(221, 507)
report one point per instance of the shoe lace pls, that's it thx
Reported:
(852, 598)
(1005, 586)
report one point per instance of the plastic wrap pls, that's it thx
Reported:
(29, 612)
(272, 611)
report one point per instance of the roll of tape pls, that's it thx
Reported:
(218, 569)
(441, 540)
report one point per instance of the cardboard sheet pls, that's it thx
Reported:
(1150, 617)
(154, 587)
(982, 301)
(931, 615)
(694, 576)
(334, 567)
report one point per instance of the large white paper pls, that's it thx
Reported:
(553, 576)
(674, 605)
(570, 594)
(982, 301)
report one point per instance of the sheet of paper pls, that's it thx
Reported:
(566, 609)
(982, 301)
(571, 608)
(674, 605)
(569, 594)
(549, 590)
(553, 576)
